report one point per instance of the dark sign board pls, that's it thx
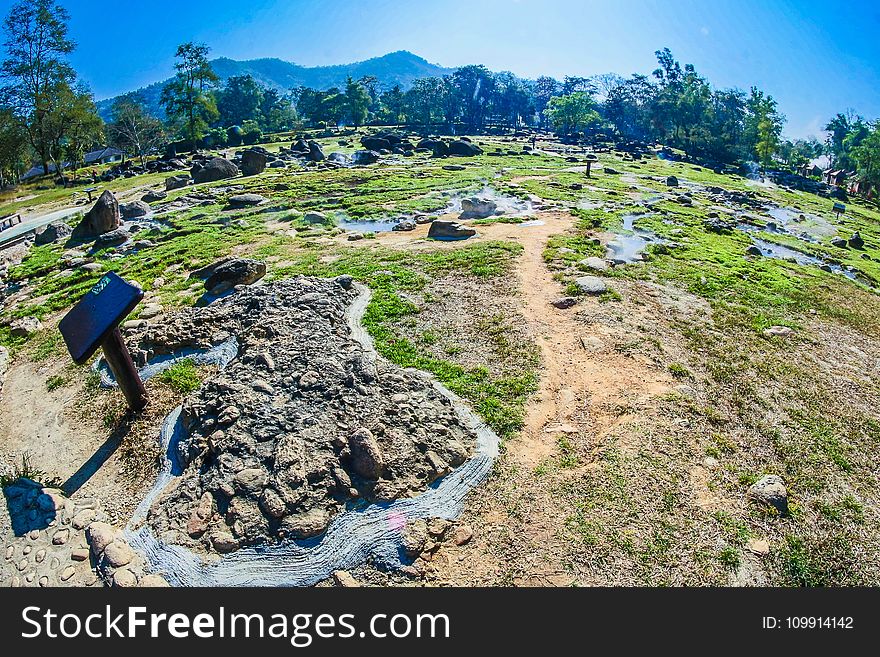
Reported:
(97, 314)
(839, 207)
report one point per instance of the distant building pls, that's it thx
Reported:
(809, 169)
(106, 155)
(836, 177)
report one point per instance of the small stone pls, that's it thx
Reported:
(10, 552)
(100, 535)
(67, 573)
(82, 519)
(437, 527)
(153, 581)
(118, 553)
(462, 534)
(344, 579)
(770, 490)
(594, 263)
(124, 578)
(565, 303)
(758, 546)
(61, 536)
(224, 542)
(22, 565)
(44, 581)
(40, 556)
(591, 285)
(80, 554)
(779, 331)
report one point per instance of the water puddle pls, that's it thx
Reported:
(779, 252)
(627, 247)
(369, 225)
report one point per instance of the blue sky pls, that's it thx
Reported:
(816, 58)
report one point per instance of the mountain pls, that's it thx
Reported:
(399, 67)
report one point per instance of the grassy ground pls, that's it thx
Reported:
(673, 508)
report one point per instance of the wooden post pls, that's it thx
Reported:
(123, 368)
(589, 164)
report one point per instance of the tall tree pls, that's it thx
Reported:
(134, 131)
(572, 113)
(36, 69)
(867, 156)
(75, 127)
(357, 102)
(187, 98)
(394, 102)
(545, 88)
(474, 86)
(240, 100)
(13, 148)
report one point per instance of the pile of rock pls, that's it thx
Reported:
(303, 422)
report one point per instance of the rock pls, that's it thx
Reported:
(462, 534)
(176, 182)
(672, 181)
(124, 578)
(373, 143)
(770, 490)
(224, 542)
(134, 209)
(253, 162)
(153, 581)
(118, 554)
(366, 455)
(154, 196)
(454, 167)
(112, 238)
(317, 218)
(856, 241)
(610, 171)
(591, 285)
(100, 535)
(60, 537)
(52, 233)
(405, 225)
(754, 251)
(339, 158)
(24, 327)
(79, 554)
(758, 546)
(102, 218)
(464, 148)
(594, 263)
(362, 158)
(315, 153)
(477, 208)
(215, 169)
(564, 303)
(241, 271)
(415, 535)
(344, 579)
(307, 524)
(779, 331)
(246, 200)
(250, 480)
(449, 230)
(839, 242)
(437, 527)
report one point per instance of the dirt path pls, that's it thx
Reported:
(518, 519)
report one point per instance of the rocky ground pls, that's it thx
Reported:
(302, 423)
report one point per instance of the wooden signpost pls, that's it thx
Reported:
(94, 322)
(839, 208)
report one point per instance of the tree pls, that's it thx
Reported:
(545, 88)
(186, 98)
(134, 131)
(572, 84)
(867, 156)
(394, 103)
(357, 102)
(13, 147)
(474, 86)
(512, 98)
(74, 126)
(36, 69)
(240, 100)
(764, 126)
(569, 114)
(424, 102)
(278, 111)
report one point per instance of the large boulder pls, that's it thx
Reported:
(373, 143)
(52, 233)
(176, 182)
(102, 218)
(464, 148)
(362, 158)
(253, 162)
(315, 153)
(215, 169)
(239, 271)
(438, 146)
(591, 285)
(154, 196)
(112, 238)
(25, 326)
(449, 230)
(134, 209)
(339, 158)
(477, 208)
